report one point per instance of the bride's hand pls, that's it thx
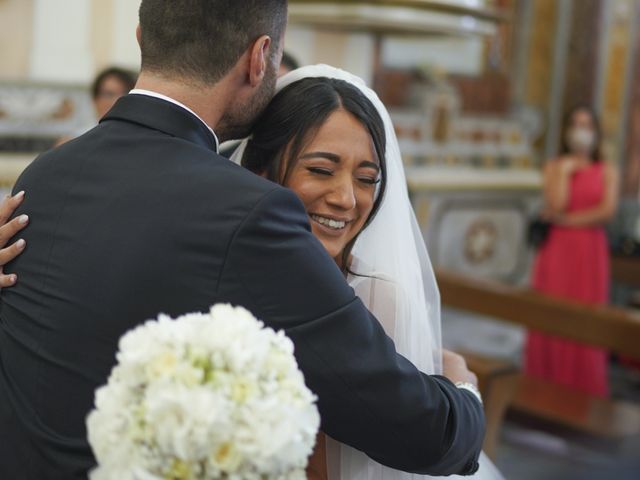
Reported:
(455, 368)
(317, 467)
(7, 230)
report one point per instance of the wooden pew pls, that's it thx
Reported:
(626, 270)
(497, 380)
(615, 329)
(555, 403)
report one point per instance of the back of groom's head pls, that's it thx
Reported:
(202, 40)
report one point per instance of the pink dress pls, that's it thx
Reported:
(573, 264)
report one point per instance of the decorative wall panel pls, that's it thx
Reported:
(33, 116)
(474, 221)
(480, 233)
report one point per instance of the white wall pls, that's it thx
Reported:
(69, 40)
(462, 55)
(61, 41)
(355, 51)
(66, 41)
(125, 47)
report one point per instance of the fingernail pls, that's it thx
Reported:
(22, 219)
(13, 278)
(19, 194)
(21, 243)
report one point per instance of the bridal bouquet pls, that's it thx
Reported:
(205, 396)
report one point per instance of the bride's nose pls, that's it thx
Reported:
(342, 195)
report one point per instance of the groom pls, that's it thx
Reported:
(141, 215)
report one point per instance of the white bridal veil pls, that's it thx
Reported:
(395, 281)
(391, 251)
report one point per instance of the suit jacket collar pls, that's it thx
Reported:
(164, 116)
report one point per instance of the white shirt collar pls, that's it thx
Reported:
(140, 91)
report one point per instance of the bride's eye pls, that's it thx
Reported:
(320, 171)
(369, 180)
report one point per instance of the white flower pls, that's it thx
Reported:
(205, 396)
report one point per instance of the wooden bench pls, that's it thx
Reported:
(578, 411)
(497, 381)
(616, 329)
(626, 270)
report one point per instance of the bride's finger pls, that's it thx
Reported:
(12, 251)
(7, 280)
(8, 230)
(9, 205)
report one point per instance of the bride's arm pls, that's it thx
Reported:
(8, 229)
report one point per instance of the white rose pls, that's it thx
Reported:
(204, 396)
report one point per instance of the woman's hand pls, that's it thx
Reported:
(604, 211)
(556, 179)
(569, 165)
(7, 230)
(557, 218)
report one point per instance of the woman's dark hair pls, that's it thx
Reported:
(126, 77)
(596, 154)
(293, 118)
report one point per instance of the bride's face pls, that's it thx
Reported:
(335, 176)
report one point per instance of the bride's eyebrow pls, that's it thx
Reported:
(329, 156)
(368, 164)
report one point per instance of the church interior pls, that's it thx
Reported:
(478, 91)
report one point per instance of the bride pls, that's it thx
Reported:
(327, 137)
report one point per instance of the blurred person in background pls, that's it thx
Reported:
(108, 86)
(288, 64)
(580, 195)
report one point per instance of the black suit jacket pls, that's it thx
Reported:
(140, 216)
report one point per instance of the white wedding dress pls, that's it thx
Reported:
(395, 281)
(381, 296)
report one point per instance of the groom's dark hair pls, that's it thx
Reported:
(202, 40)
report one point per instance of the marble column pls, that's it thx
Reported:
(542, 23)
(631, 160)
(613, 99)
(582, 57)
(16, 33)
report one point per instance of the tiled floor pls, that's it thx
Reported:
(526, 454)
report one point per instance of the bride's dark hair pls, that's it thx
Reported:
(293, 118)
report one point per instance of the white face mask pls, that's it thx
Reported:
(581, 140)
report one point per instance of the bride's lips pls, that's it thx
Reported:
(330, 225)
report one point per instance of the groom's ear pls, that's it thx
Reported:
(139, 35)
(259, 59)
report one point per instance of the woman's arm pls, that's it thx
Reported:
(8, 230)
(604, 211)
(556, 182)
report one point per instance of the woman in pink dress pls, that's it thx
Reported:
(580, 196)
